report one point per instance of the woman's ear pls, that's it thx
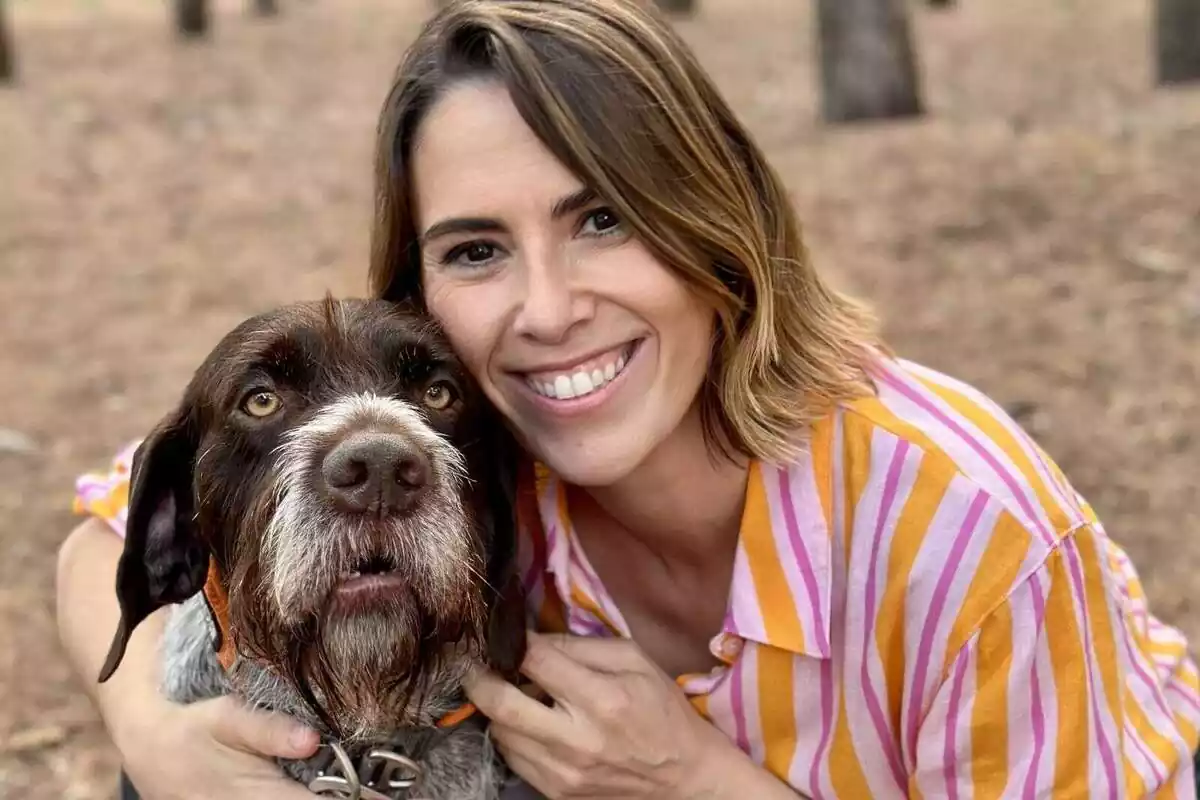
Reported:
(164, 560)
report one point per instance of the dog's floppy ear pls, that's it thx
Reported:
(506, 608)
(164, 560)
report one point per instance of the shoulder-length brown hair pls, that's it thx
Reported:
(621, 101)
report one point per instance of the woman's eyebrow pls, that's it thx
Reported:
(575, 201)
(571, 203)
(446, 227)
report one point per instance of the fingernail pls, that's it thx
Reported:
(302, 738)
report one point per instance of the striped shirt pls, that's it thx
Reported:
(921, 606)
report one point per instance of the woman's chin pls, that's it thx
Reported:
(592, 465)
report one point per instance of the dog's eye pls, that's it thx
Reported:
(261, 404)
(439, 396)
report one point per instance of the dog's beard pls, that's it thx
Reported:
(367, 671)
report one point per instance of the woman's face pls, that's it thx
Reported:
(592, 348)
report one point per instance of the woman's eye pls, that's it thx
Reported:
(261, 404)
(471, 254)
(601, 221)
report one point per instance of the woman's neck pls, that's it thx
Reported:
(683, 502)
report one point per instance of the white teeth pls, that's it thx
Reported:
(581, 383)
(578, 384)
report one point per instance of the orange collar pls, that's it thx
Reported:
(218, 601)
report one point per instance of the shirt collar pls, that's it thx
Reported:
(780, 590)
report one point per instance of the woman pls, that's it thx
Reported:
(787, 562)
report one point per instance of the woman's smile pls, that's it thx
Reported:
(579, 387)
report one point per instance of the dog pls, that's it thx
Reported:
(330, 513)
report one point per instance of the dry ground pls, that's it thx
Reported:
(1038, 234)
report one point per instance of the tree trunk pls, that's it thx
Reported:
(8, 68)
(1177, 35)
(677, 6)
(266, 8)
(868, 67)
(191, 17)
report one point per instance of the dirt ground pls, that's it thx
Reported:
(1037, 234)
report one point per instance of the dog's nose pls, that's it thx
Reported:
(375, 472)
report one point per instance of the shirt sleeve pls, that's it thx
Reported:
(104, 494)
(1065, 691)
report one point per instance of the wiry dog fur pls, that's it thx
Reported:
(253, 494)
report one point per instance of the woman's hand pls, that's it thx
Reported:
(214, 748)
(620, 727)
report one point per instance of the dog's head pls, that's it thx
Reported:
(355, 493)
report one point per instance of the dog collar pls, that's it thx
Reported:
(377, 774)
(218, 603)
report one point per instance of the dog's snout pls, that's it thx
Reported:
(375, 472)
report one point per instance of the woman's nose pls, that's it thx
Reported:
(553, 304)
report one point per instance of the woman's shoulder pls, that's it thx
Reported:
(934, 494)
(942, 437)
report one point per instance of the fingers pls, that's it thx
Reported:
(265, 733)
(573, 669)
(606, 655)
(509, 706)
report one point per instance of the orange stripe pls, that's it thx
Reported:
(1062, 635)
(856, 469)
(876, 412)
(912, 525)
(1104, 644)
(989, 711)
(582, 600)
(774, 596)
(993, 579)
(775, 708)
(845, 768)
(1162, 747)
(821, 444)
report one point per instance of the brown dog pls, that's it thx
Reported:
(332, 507)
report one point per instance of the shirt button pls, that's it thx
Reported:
(726, 646)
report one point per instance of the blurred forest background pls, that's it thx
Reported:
(1014, 183)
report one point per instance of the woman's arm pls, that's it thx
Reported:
(1056, 695)
(215, 748)
(87, 618)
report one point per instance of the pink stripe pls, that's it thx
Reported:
(874, 707)
(1184, 694)
(1159, 701)
(937, 604)
(1131, 734)
(950, 751)
(814, 771)
(1036, 712)
(801, 554)
(974, 444)
(1077, 588)
(738, 705)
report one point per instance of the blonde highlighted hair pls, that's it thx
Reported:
(621, 101)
